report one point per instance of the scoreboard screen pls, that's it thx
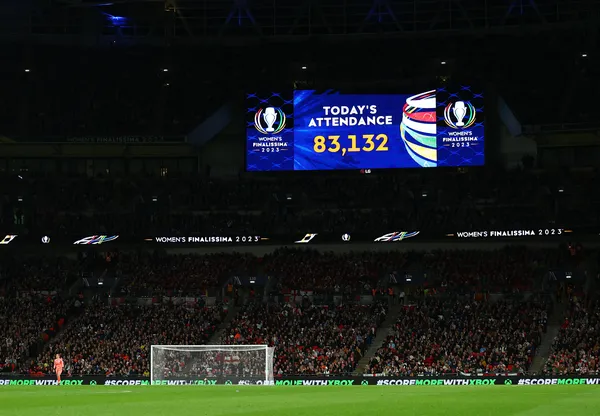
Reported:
(307, 130)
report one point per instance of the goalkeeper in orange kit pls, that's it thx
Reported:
(58, 367)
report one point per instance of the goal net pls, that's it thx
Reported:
(211, 364)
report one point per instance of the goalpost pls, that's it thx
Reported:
(211, 364)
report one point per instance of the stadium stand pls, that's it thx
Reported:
(328, 272)
(36, 274)
(449, 336)
(309, 339)
(116, 340)
(31, 308)
(25, 321)
(312, 332)
(171, 275)
(468, 271)
(576, 349)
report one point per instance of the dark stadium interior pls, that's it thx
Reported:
(129, 216)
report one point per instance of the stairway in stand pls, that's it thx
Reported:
(382, 333)
(72, 316)
(218, 335)
(543, 351)
(71, 321)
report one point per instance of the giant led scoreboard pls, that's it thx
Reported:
(307, 130)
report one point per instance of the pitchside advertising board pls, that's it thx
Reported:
(6, 380)
(309, 130)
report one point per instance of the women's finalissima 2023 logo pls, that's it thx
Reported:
(419, 130)
(464, 113)
(269, 121)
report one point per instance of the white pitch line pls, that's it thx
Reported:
(111, 392)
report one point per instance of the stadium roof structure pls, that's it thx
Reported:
(537, 53)
(231, 21)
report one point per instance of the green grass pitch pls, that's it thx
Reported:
(299, 400)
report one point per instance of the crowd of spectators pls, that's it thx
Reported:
(576, 349)
(448, 337)
(177, 274)
(116, 340)
(25, 320)
(341, 273)
(35, 274)
(155, 273)
(309, 339)
(435, 337)
(31, 308)
(508, 269)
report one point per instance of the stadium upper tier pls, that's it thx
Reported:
(431, 201)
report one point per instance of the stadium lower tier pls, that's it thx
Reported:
(462, 337)
(309, 339)
(576, 349)
(116, 340)
(434, 338)
(38, 318)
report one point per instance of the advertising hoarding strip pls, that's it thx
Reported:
(24, 380)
